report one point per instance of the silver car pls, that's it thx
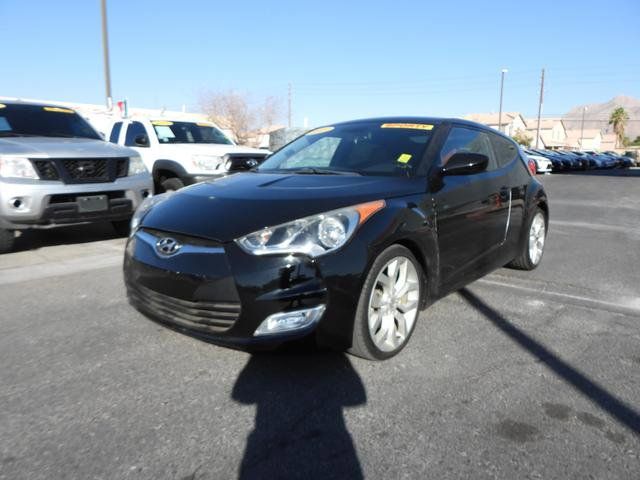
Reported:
(55, 169)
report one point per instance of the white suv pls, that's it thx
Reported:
(180, 153)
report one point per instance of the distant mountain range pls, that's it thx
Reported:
(597, 115)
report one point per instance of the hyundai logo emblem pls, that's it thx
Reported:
(167, 246)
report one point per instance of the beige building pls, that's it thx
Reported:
(553, 134)
(511, 121)
(590, 139)
(608, 142)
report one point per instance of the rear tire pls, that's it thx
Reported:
(532, 247)
(386, 317)
(7, 239)
(122, 227)
(171, 184)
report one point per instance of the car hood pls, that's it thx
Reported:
(184, 149)
(233, 206)
(53, 147)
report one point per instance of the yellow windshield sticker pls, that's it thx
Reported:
(58, 110)
(404, 158)
(410, 126)
(162, 123)
(320, 130)
(204, 124)
(2, 105)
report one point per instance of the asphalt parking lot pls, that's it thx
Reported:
(521, 375)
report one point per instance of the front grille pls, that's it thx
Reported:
(183, 239)
(212, 317)
(46, 169)
(122, 167)
(95, 169)
(73, 197)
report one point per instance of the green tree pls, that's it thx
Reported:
(618, 119)
(522, 138)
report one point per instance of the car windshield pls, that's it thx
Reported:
(188, 132)
(365, 148)
(19, 120)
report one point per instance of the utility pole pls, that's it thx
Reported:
(540, 108)
(584, 110)
(289, 105)
(105, 51)
(504, 70)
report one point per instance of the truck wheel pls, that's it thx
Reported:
(7, 238)
(122, 227)
(171, 184)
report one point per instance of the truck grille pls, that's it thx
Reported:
(81, 170)
(212, 317)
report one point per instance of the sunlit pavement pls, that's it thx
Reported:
(522, 375)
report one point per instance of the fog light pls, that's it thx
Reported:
(290, 321)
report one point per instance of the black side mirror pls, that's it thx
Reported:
(240, 164)
(465, 163)
(141, 140)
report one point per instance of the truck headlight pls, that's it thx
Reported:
(16, 167)
(207, 163)
(146, 205)
(136, 166)
(314, 235)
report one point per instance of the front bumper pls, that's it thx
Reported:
(43, 204)
(222, 294)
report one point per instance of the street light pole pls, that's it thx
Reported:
(105, 52)
(504, 70)
(584, 109)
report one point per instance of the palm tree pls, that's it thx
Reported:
(619, 119)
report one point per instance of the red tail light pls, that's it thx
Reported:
(532, 166)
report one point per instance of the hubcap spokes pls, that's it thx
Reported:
(537, 235)
(393, 304)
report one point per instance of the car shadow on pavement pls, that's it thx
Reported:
(615, 407)
(300, 430)
(74, 234)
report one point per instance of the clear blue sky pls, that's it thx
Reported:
(345, 59)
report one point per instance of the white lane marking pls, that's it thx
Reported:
(62, 267)
(627, 308)
(597, 226)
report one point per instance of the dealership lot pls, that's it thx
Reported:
(522, 375)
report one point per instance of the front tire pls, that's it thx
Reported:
(532, 248)
(388, 306)
(171, 184)
(7, 239)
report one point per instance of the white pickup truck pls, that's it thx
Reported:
(180, 153)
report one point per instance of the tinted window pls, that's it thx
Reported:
(135, 129)
(505, 150)
(43, 121)
(188, 132)
(368, 148)
(115, 132)
(467, 140)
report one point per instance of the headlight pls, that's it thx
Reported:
(314, 235)
(17, 167)
(136, 166)
(146, 205)
(207, 163)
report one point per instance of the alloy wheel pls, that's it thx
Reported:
(393, 304)
(537, 236)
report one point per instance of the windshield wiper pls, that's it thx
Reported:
(319, 171)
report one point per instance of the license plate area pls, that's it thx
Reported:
(93, 203)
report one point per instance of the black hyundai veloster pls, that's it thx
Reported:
(346, 234)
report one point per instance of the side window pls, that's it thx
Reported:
(468, 140)
(317, 154)
(135, 129)
(115, 132)
(505, 150)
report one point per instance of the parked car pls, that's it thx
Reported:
(55, 170)
(556, 163)
(180, 153)
(604, 161)
(622, 161)
(345, 234)
(542, 164)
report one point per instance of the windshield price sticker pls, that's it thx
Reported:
(162, 123)
(404, 158)
(410, 126)
(58, 110)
